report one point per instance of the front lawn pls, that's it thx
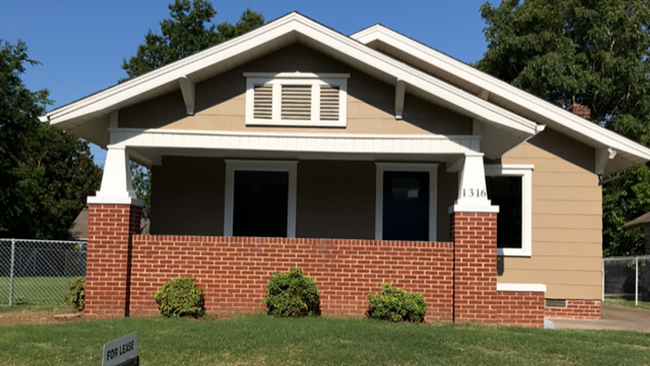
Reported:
(261, 340)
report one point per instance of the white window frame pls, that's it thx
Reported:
(526, 174)
(277, 80)
(432, 169)
(260, 166)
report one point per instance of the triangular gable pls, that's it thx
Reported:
(277, 34)
(613, 151)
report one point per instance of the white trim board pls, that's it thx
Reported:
(260, 165)
(535, 108)
(323, 143)
(432, 169)
(526, 174)
(521, 287)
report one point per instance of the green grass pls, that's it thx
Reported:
(628, 303)
(32, 292)
(261, 340)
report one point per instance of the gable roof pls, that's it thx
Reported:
(81, 116)
(628, 153)
(509, 115)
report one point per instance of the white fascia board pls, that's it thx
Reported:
(493, 85)
(521, 287)
(472, 105)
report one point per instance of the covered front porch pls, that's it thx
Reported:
(300, 186)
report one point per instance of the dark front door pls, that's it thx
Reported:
(406, 206)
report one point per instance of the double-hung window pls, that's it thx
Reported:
(510, 187)
(296, 99)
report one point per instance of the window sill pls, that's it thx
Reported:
(296, 123)
(510, 252)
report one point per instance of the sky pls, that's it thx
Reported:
(81, 44)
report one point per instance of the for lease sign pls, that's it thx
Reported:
(120, 350)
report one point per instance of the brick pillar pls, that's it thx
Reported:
(108, 265)
(475, 265)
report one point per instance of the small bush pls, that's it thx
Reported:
(77, 293)
(396, 305)
(292, 295)
(180, 297)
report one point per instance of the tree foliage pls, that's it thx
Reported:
(141, 177)
(185, 34)
(591, 52)
(45, 174)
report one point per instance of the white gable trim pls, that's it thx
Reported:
(585, 129)
(445, 94)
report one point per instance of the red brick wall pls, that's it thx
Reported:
(524, 309)
(475, 265)
(110, 228)
(575, 309)
(233, 271)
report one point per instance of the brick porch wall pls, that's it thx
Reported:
(458, 280)
(575, 309)
(233, 271)
(110, 231)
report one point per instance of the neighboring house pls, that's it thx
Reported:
(643, 222)
(361, 159)
(79, 228)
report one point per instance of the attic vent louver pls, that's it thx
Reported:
(296, 99)
(329, 103)
(263, 103)
(296, 102)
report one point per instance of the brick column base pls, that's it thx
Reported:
(108, 264)
(475, 265)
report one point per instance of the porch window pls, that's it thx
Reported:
(510, 187)
(296, 99)
(406, 202)
(260, 198)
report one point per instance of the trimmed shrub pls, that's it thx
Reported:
(292, 295)
(180, 297)
(396, 305)
(77, 293)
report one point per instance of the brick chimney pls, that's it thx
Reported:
(580, 110)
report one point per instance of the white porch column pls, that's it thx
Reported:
(472, 190)
(116, 187)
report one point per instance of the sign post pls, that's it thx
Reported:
(122, 351)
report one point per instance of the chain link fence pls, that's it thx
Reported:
(37, 272)
(627, 279)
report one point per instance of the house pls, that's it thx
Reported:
(361, 159)
(643, 222)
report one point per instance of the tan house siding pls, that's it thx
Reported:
(335, 199)
(221, 102)
(187, 195)
(566, 223)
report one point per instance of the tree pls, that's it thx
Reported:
(591, 52)
(45, 174)
(141, 177)
(185, 34)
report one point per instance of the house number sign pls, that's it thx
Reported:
(474, 193)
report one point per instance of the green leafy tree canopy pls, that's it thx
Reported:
(186, 33)
(45, 174)
(591, 52)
